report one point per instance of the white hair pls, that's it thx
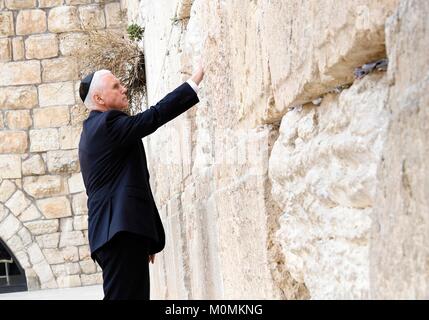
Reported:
(96, 85)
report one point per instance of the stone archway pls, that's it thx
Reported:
(20, 243)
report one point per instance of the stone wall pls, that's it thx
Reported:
(290, 179)
(43, 213)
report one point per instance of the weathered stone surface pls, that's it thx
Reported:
(65, 269)
(18, 49)
(57, 93)
(20, 72)
(50, 3)
(20, 4)
(46, 277)
(318, 158)
(44, 140)
(47, 241)
(24, 97)
(113, 14)
(75, 2)
(41, 46)
(61, 69)
(91, 279)
(53, 208)
(92, 17)
(73, 43)
(55, 255)
(1, 121)
(30, 21)
(18, 119)
(9, 226)
(88, 267)
(66, 224)
(30, 214)
(25, 236)
(35, 254)
(70, 136)
(7, 188)
(63, 161)
(84, 253)
(72, 238)
(13, 141)
(34, 165)
(399, 253)
(6, 23)
(42, 226)
(5, 50)
(51, 117)
(44, 186)
(79, 204)
(80, 222)
(76, 183)
(63, 19)
(18, 202)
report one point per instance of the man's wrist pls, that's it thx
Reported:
(193, 85)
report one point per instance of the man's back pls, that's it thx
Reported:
(114, 169)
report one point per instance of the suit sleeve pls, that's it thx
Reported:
(124, 129)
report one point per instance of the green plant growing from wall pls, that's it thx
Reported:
(135, 32)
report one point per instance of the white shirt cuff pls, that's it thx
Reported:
(193, 85)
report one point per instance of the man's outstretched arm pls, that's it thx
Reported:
(124, 129)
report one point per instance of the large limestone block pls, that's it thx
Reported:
(57, 93)
(24, 97)
(69, 281)
(70, 136)
(18, 202)
(30, 214)
(63, 161)
(400, 233)
(30, 21)
(72, 238)
(79, 204)
(20, 4)
(55, 255)
(41, 227)
(13, 141)
(43, 140)
(44, 186)
(18, 119)
(76, 183)
(323, 170)
(61, 69)
(9, 226)
(34, 165)
(6, 23)
(51, 117)
(113, 14)
(22, 72)
(18, 48)
(73, 43)
(46, 241)
(41, 46)
(7, 188)
(63, 19)
(53, 208)
(92, 17)
(10, 166)
(50, 3)
(5, 50)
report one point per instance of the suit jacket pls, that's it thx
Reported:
(114, 169)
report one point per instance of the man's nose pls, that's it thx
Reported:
(124, 90)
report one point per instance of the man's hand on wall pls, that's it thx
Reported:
(198, 74)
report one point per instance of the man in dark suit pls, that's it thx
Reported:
(124, 227)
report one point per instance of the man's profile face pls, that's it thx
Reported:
(114, 94)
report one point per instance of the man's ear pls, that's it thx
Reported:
(98, 99)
